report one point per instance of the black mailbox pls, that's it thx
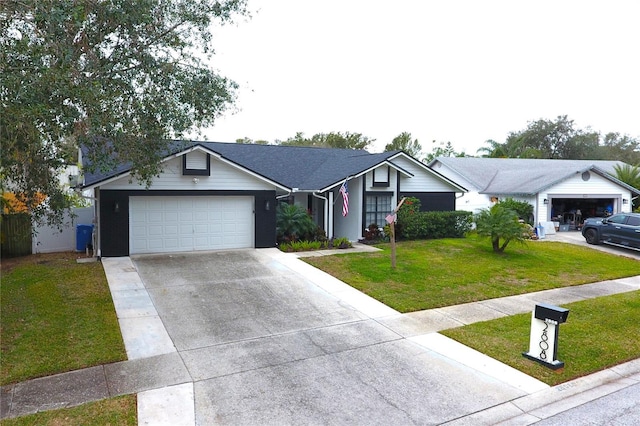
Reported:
(545, 311)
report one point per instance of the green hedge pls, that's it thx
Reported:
(416, 225)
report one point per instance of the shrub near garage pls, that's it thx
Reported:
(413, 224)
(293, 223)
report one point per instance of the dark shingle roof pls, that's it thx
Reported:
(305, 168)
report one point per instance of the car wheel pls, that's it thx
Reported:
(591, 235)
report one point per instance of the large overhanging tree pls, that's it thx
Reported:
(123, 77)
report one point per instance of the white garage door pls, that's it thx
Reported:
(173, 224)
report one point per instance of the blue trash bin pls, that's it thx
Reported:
(83, 236)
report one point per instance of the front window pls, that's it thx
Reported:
(378, 207)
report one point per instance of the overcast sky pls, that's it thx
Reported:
(460, 71)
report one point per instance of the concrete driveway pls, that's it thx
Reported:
(265, 344)
(576, 238)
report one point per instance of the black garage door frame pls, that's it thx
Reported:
(114, 216)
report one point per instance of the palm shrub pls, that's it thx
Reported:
(500, 224)
(292, 223)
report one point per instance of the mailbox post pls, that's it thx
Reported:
(543, 343)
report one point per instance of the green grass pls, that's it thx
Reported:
(592, 339)
(113, 411)
(436, 273)
(57, 316)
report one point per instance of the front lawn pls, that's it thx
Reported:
(57, 316)
(592, 339)
(444, 272)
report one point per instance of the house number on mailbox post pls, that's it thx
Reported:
(543, 343)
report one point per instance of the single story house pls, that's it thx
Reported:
(564, 191)
(213, 195)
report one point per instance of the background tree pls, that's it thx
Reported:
(501, 225)
(442, 150)
(121, 77)
(250, 141)
(345, 140)
(552, 139)
(615, 146)
(560, 139)
(404, 143)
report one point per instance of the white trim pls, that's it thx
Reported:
(329, 215)
(385, 162)
(430, 170)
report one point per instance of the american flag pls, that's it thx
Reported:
(345, 198)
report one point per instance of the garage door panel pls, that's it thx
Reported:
(170, 216)
(155, 230)
(200, 229)
(165, 224)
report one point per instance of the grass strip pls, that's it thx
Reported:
(121, 410)
(599, 333)
(444, 272)
(57, 316)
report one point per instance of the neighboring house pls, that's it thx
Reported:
(565, 191)
(222, 195)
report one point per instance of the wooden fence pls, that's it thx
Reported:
(15, 235)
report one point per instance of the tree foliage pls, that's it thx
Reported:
(560, 139)
(405, 143)
(249, 141)
(441, 149)
(122, 77)
(615, 146)
(345, 140)
(501, 226)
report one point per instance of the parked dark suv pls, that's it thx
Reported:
(622, 229)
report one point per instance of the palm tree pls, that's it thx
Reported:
(500, 223)
(494, 150)
(629, 175)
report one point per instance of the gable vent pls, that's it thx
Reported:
(196, 163)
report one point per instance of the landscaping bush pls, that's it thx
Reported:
(523, 209)
(374, 235)
(412, 224)
(340, 243)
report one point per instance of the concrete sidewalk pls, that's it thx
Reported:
(165, 386)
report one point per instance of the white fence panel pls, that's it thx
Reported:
(47, 239)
